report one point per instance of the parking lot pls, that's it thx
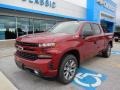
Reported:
(97, 73)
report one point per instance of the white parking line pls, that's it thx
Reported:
(5, 84)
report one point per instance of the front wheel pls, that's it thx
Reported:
(68, 69)
(106, 53)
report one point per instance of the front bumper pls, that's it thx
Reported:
(43, 66)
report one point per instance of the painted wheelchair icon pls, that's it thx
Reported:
(116, 52)
(82, 76)
(88, 79)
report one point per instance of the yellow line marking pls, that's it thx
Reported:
(5, 84)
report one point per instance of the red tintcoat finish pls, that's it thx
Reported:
(87, 48)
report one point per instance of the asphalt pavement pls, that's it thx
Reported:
(97, 73)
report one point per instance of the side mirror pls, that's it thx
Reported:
(88, 33)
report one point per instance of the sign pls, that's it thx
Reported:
(100, 2)
(46, 3)
(88, 79)
(106, 4)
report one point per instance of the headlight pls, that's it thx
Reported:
(43, 45)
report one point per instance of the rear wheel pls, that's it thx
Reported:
(116, 40)
(106, 53)
(68, 69)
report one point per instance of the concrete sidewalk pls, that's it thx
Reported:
(7, 51)
(110, 67)
(7, 43)
(7, 48)
(5, 84)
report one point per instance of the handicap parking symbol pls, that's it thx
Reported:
(88, 79)
(115, 52)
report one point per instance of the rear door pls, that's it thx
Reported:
(88, 48)
(100, 39)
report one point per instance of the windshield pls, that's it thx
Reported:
(65, 27)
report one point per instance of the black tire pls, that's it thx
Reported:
(107, 52)
(63, 69)
(116, 40)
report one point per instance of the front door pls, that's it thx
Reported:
(88, 48)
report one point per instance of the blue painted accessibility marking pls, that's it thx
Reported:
(115, 52)
(88, 79)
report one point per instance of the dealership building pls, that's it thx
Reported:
(21, 17)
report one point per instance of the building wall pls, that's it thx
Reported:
(21, 17)
(82, 3)
(95, 10)
(62, 8)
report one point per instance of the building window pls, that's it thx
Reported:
(37, 26)
(31, 26)
(43, 25)
(7, 27)
(11, 27)
(22, 26)
(50, 23)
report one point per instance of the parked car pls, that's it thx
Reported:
(117, 36)
(60, 50)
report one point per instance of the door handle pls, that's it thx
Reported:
(95, 42)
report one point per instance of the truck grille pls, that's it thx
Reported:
(26, 44)
(28, 56)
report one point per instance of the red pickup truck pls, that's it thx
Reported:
(60, 50)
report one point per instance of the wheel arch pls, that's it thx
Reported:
(73, 52)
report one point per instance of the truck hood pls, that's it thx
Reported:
(45, 37)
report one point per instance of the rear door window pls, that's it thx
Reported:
(96, 29)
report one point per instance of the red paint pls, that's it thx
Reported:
(87, 48)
